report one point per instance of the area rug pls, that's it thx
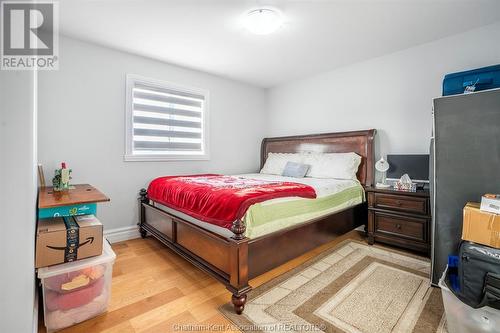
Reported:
(351, 288)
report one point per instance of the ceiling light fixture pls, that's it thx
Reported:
(263, 21)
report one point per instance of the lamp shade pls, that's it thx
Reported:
(382, 165)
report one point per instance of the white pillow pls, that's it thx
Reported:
(275, 162)
(332, 165)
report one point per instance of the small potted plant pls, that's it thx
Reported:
(61, 179)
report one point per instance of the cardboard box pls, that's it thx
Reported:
(481, 227)
(491, 203)
(66, 239)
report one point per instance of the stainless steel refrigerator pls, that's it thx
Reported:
(465, 163)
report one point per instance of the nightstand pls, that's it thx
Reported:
(399, 218)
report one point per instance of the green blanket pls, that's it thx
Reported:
(264, 218)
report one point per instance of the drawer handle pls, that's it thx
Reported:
(398, 226)
(399, 203)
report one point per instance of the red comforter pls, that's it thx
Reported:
(218, 199)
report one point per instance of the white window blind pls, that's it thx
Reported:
(165, 121)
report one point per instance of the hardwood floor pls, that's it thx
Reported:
(154, 290)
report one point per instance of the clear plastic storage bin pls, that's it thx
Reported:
(462, 318)
(76, 291)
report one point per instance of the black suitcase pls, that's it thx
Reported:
(479, 275)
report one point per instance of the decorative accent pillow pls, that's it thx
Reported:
(332, 165)
(296, 170)
(275, 162)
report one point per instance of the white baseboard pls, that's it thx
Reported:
(122, 234)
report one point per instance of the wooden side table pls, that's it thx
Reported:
(81, 199)
(399, 218)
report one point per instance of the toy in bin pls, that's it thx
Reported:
(76, 291)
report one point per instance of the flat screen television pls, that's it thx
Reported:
(416, 166)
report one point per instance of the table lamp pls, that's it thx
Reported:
(382, 166)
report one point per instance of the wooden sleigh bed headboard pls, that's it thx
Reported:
(360, 142)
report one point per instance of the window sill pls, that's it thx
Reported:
(165, 158)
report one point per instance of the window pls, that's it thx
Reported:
(165, 121)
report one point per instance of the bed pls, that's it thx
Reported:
(234, 256)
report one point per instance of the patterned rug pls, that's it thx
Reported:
(352, 288)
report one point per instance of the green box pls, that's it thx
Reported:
(71, 210)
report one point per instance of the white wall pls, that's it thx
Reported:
(17, 201)
(82, 122)
(392, 93)
(82, 109)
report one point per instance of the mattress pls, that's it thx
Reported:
(332, 195)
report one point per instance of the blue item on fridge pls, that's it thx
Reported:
(472, 80)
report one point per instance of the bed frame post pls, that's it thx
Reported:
(238, 263)
(238, 228)
(143, 198)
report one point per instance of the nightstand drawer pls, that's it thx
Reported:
(403, 203)
(407, 227)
